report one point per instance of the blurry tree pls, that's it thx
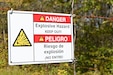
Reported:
(93, 47)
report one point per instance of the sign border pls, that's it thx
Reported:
(37, 62)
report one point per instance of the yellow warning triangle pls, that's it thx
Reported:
(41, 39)
(22, 39)
(41, 18)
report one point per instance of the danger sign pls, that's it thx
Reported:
(39, 37)
(51, 18)
(52, 38)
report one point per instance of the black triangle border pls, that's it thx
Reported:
(17, 38)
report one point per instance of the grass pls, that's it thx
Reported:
(13, 71)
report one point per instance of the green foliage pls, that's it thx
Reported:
(13, 71)
(94, 47)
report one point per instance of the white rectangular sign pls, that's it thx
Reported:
(39, 37)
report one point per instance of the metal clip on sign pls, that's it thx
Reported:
(11, 11)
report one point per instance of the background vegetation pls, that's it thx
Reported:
(93, 23)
